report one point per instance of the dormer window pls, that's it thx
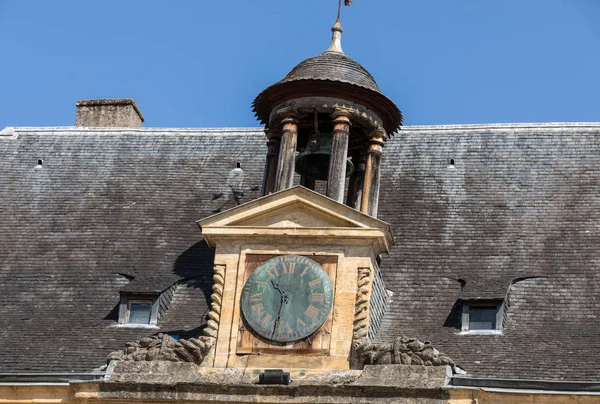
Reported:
(138, 309)
(482, 316)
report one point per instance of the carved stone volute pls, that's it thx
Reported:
(162, 347)
(403, 351)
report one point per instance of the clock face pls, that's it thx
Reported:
(287, 298)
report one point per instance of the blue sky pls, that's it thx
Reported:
(200, 63)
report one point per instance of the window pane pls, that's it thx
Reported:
(482, 318)
(139, 313)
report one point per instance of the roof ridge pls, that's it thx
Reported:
(11, 131)
(225, 130)
(524, 125)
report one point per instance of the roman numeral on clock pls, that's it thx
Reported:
(257, 297)
(314, 282)
(312, 312)
(258, 308)
(317, 297)
(267, 321)
(289, 268)
(285, 325)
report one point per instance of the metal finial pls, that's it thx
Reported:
(336, 38)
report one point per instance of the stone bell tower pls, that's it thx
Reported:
(330, 110)
(296, 271)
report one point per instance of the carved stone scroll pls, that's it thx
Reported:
(162, 347)
(212, 325)
(403, 351)
(361, 313)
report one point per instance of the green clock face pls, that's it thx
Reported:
(287, 298)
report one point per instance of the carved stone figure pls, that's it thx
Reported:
(404, 350)
(162, 347)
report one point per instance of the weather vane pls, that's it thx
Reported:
(346, 3)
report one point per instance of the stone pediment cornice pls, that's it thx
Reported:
(301, 214)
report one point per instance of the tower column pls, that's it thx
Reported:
(336, 178)
(287, 150)
(370, 194)
(270, 174)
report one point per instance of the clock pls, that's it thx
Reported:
(287, 298)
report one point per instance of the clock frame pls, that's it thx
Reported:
(287, 299)
(250, 342)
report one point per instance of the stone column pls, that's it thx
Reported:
(287, 153)
(370, 194)
(270, 174)
(336, 177)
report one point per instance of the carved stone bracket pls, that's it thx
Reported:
(403, 351)
(212, 326)
(361, 312)
(162, 347)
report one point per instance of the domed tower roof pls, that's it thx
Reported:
(332, 66)
(332, 73)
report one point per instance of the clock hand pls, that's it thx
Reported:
(284, 299)
(276, 286)
(281, 301)
(285, 293)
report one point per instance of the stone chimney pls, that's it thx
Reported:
(110, 112)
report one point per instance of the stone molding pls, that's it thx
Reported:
(171, 382)
(345, 225)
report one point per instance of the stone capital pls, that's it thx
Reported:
(375, 148)
(342, 114)
(376, 141)
(289, 120)
(287, 113)
(378, 135)
(273, 135)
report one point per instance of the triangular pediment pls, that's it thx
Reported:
(298, 209)
(297, 213)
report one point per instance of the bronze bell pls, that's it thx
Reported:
(314, 161)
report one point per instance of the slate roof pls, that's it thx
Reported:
(517, 215)
(104, 204)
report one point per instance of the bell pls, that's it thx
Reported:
(314, 161)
